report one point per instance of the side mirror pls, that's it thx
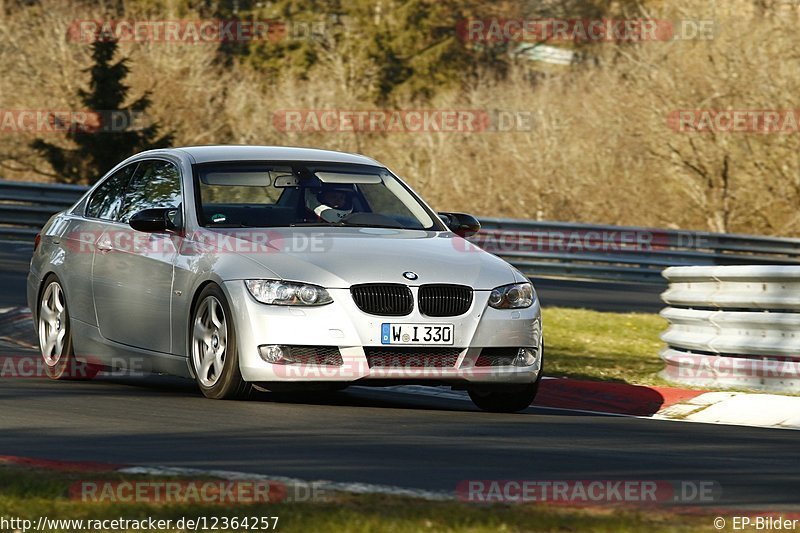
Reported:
(157, 220)
(461, 224)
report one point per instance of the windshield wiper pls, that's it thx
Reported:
(305, 224)
(341, 224)
(212, 225)
(367, 225)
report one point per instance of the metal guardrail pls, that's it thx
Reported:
(733, 327)
(25, 207)
(619, 253)
(538, 249)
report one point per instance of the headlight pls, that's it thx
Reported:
(515, 296)
(276, 292)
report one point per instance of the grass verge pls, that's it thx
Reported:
(591, 345)
(30, 493)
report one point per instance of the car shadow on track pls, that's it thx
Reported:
(120, 385)
(351, 397)
(175, 387)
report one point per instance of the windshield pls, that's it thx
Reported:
(291, 194)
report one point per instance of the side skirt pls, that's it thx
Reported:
(92, 347)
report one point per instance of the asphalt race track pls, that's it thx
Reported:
(378, 436)
(600, 295)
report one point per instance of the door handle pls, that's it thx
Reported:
(104, 246)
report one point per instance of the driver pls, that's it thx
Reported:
(331, 203)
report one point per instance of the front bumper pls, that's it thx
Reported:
(341, 324)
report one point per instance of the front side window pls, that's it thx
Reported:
(108, 198)
(297, 194)
(156, 184)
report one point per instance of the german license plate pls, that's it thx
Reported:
(410, 334)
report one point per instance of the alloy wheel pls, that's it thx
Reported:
(209, 341)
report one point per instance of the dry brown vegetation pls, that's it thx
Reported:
(600, 149)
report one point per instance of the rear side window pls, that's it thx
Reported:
(107, 200)
(155, 184)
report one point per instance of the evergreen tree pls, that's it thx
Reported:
(402, 48)
(98, 147)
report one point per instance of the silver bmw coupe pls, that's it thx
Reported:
(279, 268)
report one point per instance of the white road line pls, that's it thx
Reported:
(332, 486)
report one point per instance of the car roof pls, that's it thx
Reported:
(210, 154)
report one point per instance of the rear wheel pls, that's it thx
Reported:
(214, 353)
(55, 336)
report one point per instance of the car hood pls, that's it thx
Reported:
(341, 257)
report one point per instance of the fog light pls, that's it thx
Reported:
(525, 357)
(275, 354)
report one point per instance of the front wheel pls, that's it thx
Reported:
(214, 353)
(505, 402)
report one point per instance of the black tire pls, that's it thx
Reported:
(505, 402)
(228, 385)
(59, 364)
(512, 401)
